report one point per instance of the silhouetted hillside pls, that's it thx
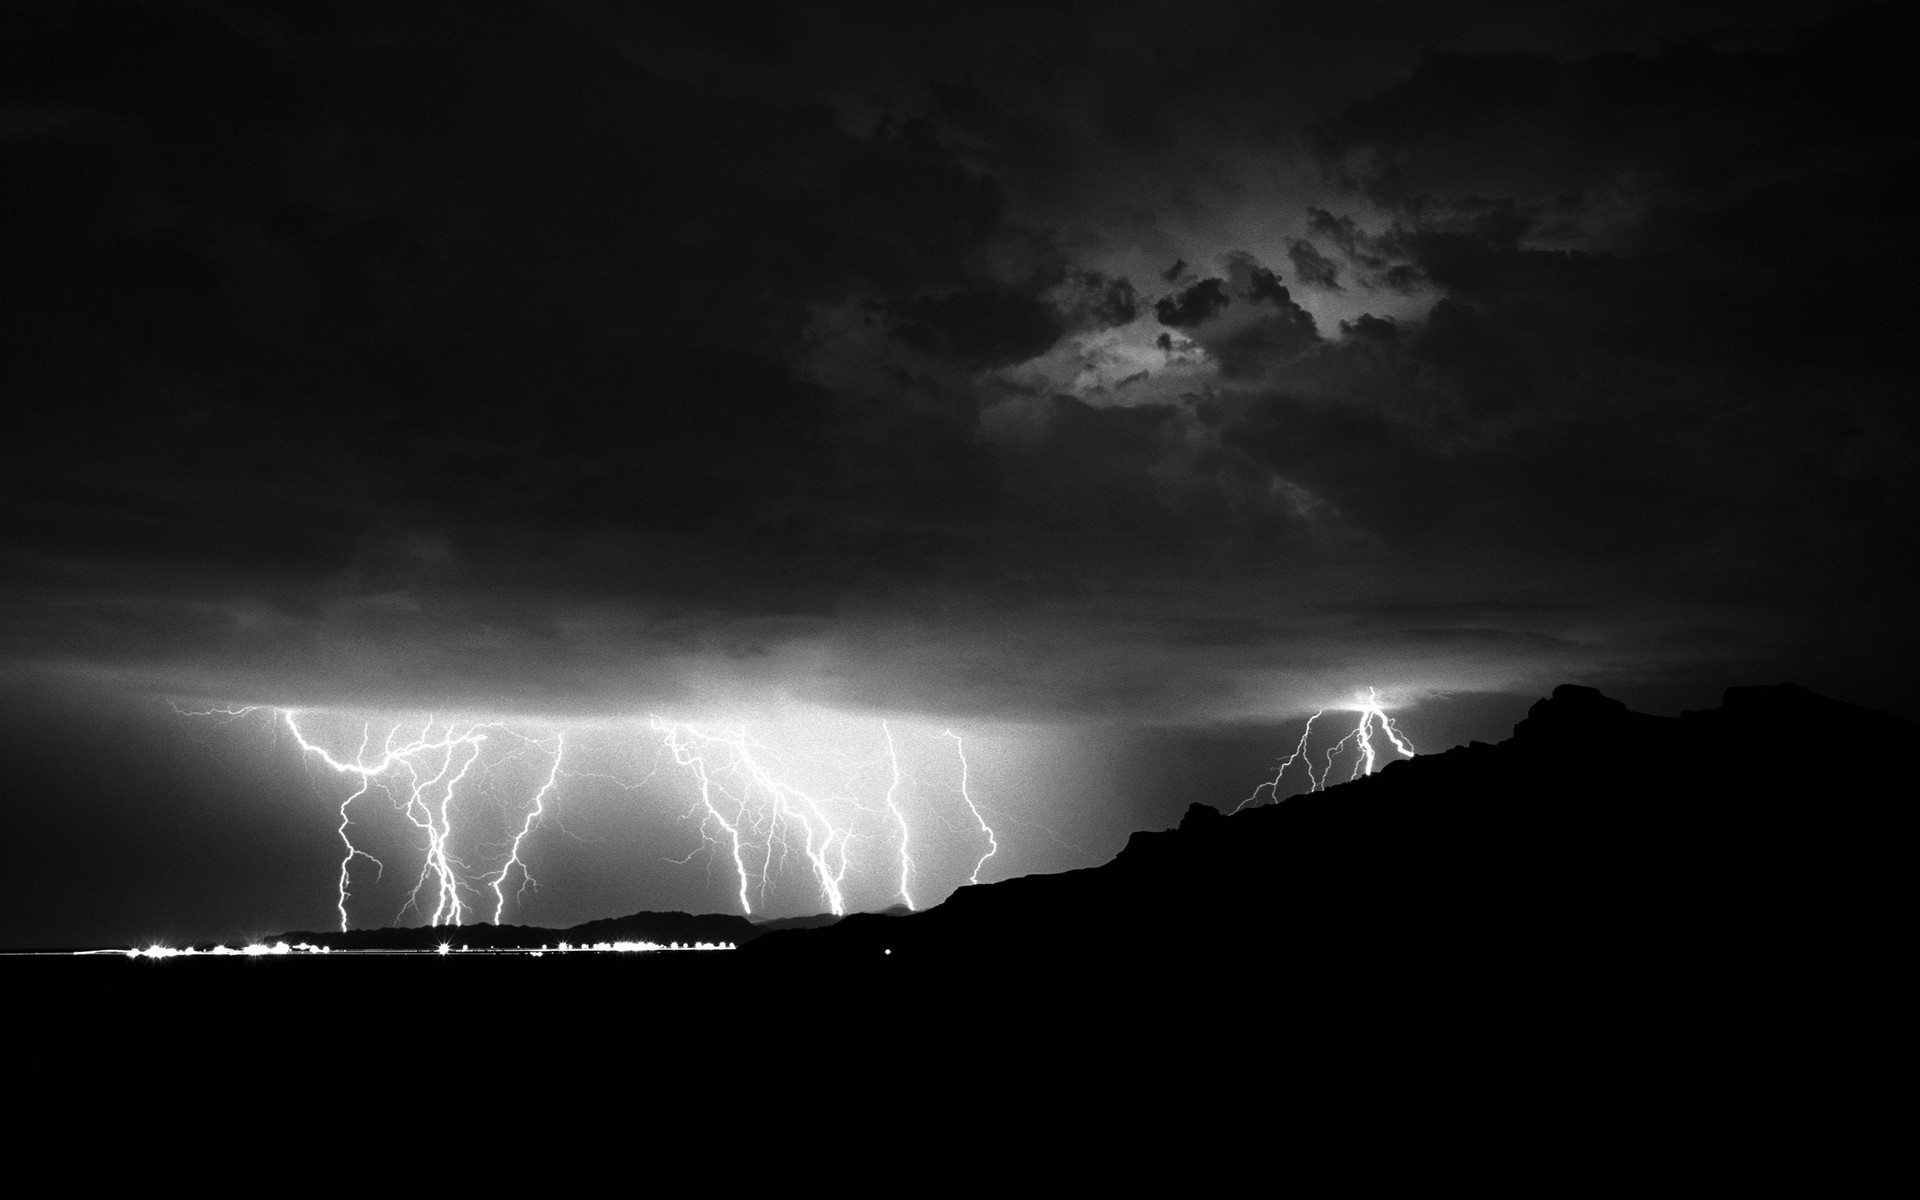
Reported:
(1595, 847)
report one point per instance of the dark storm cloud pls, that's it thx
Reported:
(989, 327)
(1194, 305)
(548, 348)
(1366, 325)
(1312, 267)
(1261, 285)
(1091, 300)
(291, 301)
(1577, 487)
(1279, 329)
(1531, 124)
(1371, 257)
(1669, 292)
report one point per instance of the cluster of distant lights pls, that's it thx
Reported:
(282, 950)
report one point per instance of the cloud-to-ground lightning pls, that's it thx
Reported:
(772, 817)
(1272, 786)
(526, 827)
(1371, 714)
(423, 774)
(758, 802)
(753, 807)
(966, 795)
(1373, 718)
(899, 819)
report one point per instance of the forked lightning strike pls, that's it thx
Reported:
(762, 805)
(428, 803)
(899, 819)
(534, 814)
(993, 843)
(1372, 716)
(1272, 786)
(751, 805)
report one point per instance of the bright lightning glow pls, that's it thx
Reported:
(686, 752)
(423, 775)
(825, 808)
(1372, 718)
(753, 806)
(748, 778)
(533, 816)
(993, 843)
(1362, 737)
(906, 861)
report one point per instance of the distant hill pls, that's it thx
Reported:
(664, 928)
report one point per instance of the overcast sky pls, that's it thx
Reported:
(1076, 364)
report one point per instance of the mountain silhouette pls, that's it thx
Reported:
(1594, 848)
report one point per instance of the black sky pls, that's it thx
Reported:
(1069, 363)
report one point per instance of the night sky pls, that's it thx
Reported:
(1115, 384)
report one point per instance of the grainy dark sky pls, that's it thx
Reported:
(1066, 363)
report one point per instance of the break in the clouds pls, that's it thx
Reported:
(1066, 361)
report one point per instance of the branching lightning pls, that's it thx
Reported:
(744, 777)
(993, 843)
(1371, 714)
(423, 775)
(534, 814)
(1372, 718)
(899, 819)
(755, 809)
(1272, 786)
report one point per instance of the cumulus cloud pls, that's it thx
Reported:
(1093, 300)
(1312, 267)
(1194, 305)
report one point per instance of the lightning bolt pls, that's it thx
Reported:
(686, 752)
(1373, 719)
(748, 776)
(533, 817)
(1401, 743)
(993, 843)
(1272, 786)
(752, 808)
(424, 774)
(1371, 715)
(899, 819)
